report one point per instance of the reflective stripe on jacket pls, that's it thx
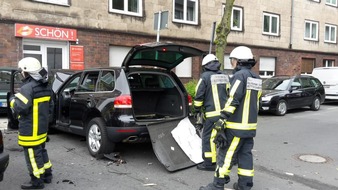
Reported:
(211, 92)
(33, 104)
(242, 106)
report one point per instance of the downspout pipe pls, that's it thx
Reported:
(291, 24)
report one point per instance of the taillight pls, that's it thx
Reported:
(123, 101)
(190, 100)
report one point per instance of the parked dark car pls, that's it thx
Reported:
(282, 93)
(112, 105)
(5, 76)
(4, 158)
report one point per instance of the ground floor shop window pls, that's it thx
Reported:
(51, 54)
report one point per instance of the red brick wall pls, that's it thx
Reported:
(10, 46)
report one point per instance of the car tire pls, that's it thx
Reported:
(97, 139)
(281, 108)
(315, 106)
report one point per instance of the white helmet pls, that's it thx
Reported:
(29, 64)
(241, 53)
(208, 58)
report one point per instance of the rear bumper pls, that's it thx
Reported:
(4, 160)
(128, 134)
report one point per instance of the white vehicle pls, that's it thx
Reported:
(328, 76)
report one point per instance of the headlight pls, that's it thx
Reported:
(266, 98)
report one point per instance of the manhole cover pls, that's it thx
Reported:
(312, 158)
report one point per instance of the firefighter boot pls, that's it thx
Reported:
(48, 176)
(35, 183)
(237, 187)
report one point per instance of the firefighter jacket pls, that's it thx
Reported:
(33, 106)
(241, 109)
(211, 91)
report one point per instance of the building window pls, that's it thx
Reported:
(307, 65)
(267, 66)
(331, 2)
(270, 24)
(185, 11)
(227, 64)
(237, 19)
(328, 63)
(330, 33)
(128, 7)
(55, 2)
(311, 30)
(316, 1)
(184, 69)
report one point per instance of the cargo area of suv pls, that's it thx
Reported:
(155, 96)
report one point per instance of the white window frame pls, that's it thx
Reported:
(328, 63)
(331, 3)
(334, 27)
(233, 27)
(55, 2)
(267, 65)
(316, 1)
(125, 11)
(312, 23)
(185, 10)
(270, 25)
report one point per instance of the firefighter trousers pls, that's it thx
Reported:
(239, 150)
(208, 145)
(37, 160)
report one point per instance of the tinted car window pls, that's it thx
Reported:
(276, 84)
(315, 82)
(88, 84)
(107, 81)
(306, 83)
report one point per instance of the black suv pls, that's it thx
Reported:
(111, 105)
(281, 93)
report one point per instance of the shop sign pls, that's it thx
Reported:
(45, 32)
(76, 57)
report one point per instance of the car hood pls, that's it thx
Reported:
(273, 92)
(158, 54)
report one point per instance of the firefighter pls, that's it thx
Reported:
(238, 122)
(211, 95)
(33, 106)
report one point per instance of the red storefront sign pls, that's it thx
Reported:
(45, 32)
(76, 57)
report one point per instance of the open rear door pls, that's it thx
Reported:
(15, 81)
(166, 148)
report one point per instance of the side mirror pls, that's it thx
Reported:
(295, 86)
(67, 93)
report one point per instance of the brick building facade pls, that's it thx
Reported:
(106, 34)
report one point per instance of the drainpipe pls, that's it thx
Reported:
(291, 24)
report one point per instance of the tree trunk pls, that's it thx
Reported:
(222, 32)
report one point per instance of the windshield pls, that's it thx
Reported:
(276, 84)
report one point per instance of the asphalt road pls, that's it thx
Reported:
(280, 144)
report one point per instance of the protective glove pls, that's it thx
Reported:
(199, 123)
(220, 139)
(219, 125)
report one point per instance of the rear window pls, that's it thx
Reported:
(149, 81)
(161, 56)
